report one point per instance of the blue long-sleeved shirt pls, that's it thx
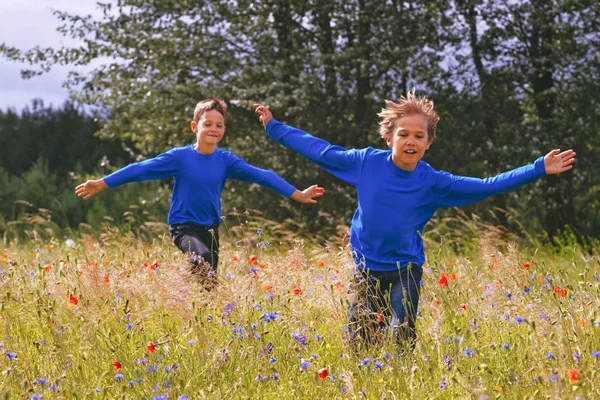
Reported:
(199, 180)
(394, 205)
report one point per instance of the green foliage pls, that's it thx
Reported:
(511, 81)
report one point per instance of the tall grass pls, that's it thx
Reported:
(116, 315)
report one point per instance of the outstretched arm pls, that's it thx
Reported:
(461, 190)
(306, 196)
(556, 162)
(90, 188)
(342, 163)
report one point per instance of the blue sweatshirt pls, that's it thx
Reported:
(394, 205)
(199, 181)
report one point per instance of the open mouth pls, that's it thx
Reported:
(410, 152)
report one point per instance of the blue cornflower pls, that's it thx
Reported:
(129, 326)
(304, 365)
(272, 360)
(35, 396)
(365, 361)
(443, 384)
(229, 307)
(40, 381)
(509, 295)
(11, 355)
(549, 278)
(554, 378)
(191, 342)
(506, 346)
(118, 377)
(259, 231)
(519, 319)
(209, 318)
(182, 397)
(596, 354)
(299, 338)
(315, 356)
(318, 337)
(549, 356)
(379, 365)
(469, 352)
(576, 356)
(130, 383)
(526, 290)
(266, 243)
(260, 378)
(267, 317)
(254, 270)
(544, 316)
(161, 397)
(276, 376)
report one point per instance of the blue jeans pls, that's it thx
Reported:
(385, 299)
(201, 244)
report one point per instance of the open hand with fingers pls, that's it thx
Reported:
(308, 194)
(263, 111)
(556, 162)
(90, 188)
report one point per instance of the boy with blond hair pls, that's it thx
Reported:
(200, 171)
(398, 193)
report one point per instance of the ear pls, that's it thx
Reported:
(428, 144)
(388, 140)
(194, 126)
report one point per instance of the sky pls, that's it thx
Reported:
(25, 24)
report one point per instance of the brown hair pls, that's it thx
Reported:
(210, 104)
(409, 105)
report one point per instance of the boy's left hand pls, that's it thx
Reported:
(263, 111)
(306, 196)
(556, 162)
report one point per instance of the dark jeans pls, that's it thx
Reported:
(201, 243)
(381, 296)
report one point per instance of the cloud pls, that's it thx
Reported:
(28, 23)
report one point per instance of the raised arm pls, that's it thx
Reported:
(343, 163)
(460, 190)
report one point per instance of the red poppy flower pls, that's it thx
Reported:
(452, 277)
(563, 292)
(106, 278)
(73, 301)
(574, 377)
(379, 317)
(557, 290)
(321, 264)
(253, 260)
(323, 373)
(444, 280)
(117, 366)
(526, 265)
(297, 291)
(151, 347)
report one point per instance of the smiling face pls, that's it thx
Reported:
(209, 131)
(409, 141)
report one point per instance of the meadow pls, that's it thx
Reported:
(115, 314)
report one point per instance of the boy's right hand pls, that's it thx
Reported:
(90, 188)
(263, 111)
